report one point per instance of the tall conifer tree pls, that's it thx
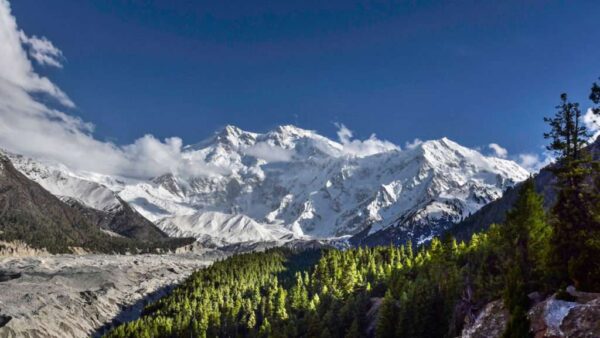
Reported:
(525, 236)
(575, 227)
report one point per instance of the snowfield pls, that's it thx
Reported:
(294, 183)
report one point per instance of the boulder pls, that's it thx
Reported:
(490, 322)
(550, 318)
(558, 318)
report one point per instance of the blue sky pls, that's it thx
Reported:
(474, 71)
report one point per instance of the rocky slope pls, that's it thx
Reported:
(31, 214)
(100, 205)
(294, 183)
(80, 296)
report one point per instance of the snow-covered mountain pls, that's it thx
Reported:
(294, 183)
(100, 205)
(66, 184)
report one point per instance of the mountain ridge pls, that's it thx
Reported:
(31, 214)
(102, 206)
(495, 211)
(298, 184)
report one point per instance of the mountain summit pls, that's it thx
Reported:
(294, 183)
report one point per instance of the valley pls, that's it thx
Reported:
(82, 295)
(87, 293)
(211, 169)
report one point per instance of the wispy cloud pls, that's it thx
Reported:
(42, 50)
(498, 150)
(359, 148)
(413, 144)
(534, 162)
(16, 70)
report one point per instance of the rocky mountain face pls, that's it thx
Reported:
(32, 215)
(294, 183)
(101, 206)
(495, 211)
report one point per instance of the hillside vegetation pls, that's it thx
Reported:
(395, 292)
(280, 294)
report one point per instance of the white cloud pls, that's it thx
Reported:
(370, 146)
(533, 162)
(529, 161)
(42, 50)
(31, 127)
(413, 144)
(592, 123)
(498, 150)
(270, 153)
(16, 69)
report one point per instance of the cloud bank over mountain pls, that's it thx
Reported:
(35, 120)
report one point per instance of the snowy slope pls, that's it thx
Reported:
(311, 187)
(62, 182)
(100, 205)
(225, 228)
(293, 182)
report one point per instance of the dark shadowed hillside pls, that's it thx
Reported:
(31, 214)
(124, 221)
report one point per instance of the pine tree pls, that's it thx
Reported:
(568, 133)
(387, 317)
(265, 328)
(595, 97)
(526, 232)
(280, 304)
(573, 219)
(354, 330)
(299, 294)
(516, 301)
(525, 239)
(349, 277)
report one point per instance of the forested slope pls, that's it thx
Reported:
(279, 293)
(430, 293)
